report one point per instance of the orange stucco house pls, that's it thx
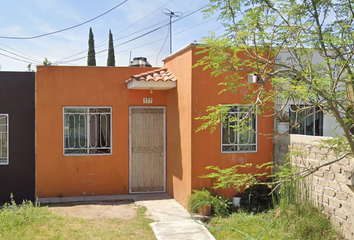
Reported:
(125, 130)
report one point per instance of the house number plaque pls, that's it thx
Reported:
(147, 100)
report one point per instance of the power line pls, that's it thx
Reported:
(36, 61)
(31, 60)
(105, 41)
(98, 46)
(13, 58)
(142, 35)
(144, 17)
(65, 29)
(204, 22)
(162, 46)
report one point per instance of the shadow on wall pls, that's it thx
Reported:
(174, 148)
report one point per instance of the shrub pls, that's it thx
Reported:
(199, 196)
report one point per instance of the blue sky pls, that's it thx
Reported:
(28, 18)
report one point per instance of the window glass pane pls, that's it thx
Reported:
(100, 110)
(105, 132)
(75, 130)
(319, 122)
(293, 119)
(87, 130)
(75, 151)
(75, 110)
(93, 130)
(3, 139)
(306, 120)
(229, 132)
(239, 130)
(81, 131)
(3, 153)
(301, 120)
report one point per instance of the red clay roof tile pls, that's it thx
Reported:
(161, 74)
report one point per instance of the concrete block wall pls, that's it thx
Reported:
(329, 189)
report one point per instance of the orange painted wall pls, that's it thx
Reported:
(179, 124)
(188, 152)
(57, 87)
(206, 147)
(197, 90)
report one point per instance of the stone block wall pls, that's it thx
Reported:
(328, 185)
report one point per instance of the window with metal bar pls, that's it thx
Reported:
(4, 139)
(239, 130)
(87, 130)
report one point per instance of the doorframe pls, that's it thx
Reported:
(164, 143)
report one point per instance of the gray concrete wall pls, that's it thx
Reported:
(329, 184)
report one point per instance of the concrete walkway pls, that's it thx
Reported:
(172, 221)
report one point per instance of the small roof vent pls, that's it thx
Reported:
(140, 62)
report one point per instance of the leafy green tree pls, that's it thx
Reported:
(46, 62)
(91, 58)
(29, 67)
(284, 41)
(111, 59)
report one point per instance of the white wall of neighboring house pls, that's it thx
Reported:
(331, 127)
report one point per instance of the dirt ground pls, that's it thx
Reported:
(96, 210)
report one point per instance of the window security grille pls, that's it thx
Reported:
(238, 132)
(87, 130)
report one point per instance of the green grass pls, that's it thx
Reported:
(33, 222)
(295, 222)
(294, 217)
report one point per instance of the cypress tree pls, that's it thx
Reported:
(111, 59)
(91, 58)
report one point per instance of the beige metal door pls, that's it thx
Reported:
(147, 149)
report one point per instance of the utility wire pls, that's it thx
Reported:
(31, 60)
(140, 36)
(198, 9)
(68, 62)
(204, 22)
(98, 46)
(105, 41)
(96, 53)
(102, 43)
(65, 29)
(143, 18)
(13, 58)
(162, 46)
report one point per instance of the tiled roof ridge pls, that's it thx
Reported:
(161, 74)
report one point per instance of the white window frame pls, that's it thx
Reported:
(4, 160)
(237, 146)
(86, 149)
